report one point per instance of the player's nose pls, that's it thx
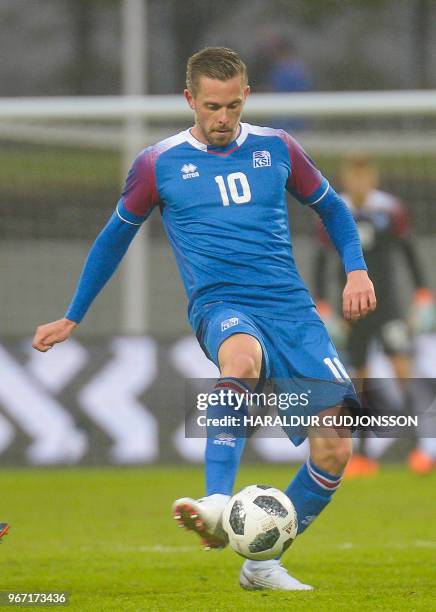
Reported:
(223, 117)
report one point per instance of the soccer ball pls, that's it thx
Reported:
(260, 522)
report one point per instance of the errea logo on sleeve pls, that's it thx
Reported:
(261, 159)
(189, 171)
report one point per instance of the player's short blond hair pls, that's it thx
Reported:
(215, 63)
(358, 161)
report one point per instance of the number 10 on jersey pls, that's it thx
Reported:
(237, 187)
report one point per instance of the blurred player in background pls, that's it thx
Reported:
(221, 189)
(280, 69)
(287, 72)
(384, 231)
(4, 528)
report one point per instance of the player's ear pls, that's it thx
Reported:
(189, 98)
(246, 91)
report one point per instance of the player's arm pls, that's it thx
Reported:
(336, 326)
(423, 312)
(401, 230)
(320, 270)
(412, 260)
(134, 206)
(358, 297)
(103, 259)
(308, 185)
(422, 316)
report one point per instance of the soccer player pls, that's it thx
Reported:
(221, 190)
(4, 528)
(384, 231)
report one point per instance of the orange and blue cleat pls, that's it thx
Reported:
(361, 466)
(420, 462)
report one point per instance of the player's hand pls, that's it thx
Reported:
(51, 333)
(358, 298)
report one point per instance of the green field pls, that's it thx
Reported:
(107, 537)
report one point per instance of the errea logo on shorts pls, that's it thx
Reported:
(261, 159)
(189, 171)
(229, 323)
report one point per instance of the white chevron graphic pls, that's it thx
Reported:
(39, 415)
(6, 434)
(57, 368)
(110, 400)
(187, 357)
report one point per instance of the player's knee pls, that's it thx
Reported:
(331, 454)
(240, 356)
(342, 453)
(245, 366)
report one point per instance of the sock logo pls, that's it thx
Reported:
(225, 439)
(308, 519)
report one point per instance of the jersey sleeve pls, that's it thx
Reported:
(137, 200)
(305, 181)
(341, 228)
(140, 194)
(103, 259)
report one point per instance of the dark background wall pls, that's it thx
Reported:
(59, 47)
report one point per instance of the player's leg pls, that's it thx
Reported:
(362, 333)
(240, 362)
(396, 344)
(298, 352)
(420, 459)
(235, 345)
(312, 364)
(312, 489)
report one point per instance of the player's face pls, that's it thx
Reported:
(358, 182)
(218, 107)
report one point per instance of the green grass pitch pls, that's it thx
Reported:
(107, 537)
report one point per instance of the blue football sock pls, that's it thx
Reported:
(310, 491)
(225, 443)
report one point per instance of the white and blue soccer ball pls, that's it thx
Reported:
(260, 522)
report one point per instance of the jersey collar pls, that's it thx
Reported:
(235, 144)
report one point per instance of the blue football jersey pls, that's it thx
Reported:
(225, 214)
